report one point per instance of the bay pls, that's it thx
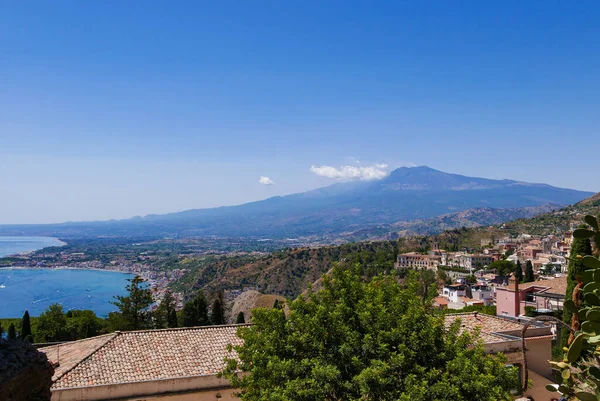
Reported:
(36, 289)
(14, 245)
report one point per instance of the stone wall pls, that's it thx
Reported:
(25, 373)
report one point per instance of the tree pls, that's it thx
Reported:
(26, 327)
(240, 318)
(83, 324)
(471, 279)
(519, 272)
(502, 267)
(195, 312)
(579, 247)
(278, 304)
(579, 372)
(216, 313)
(52, 325)
(363, 341)
(529, 278)
(166, 315)
(134, 306)
(12, 332)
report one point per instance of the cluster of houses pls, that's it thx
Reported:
(183, 364)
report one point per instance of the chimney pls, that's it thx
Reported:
(517, 299)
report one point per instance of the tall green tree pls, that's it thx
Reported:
(26, 327)
(363, 341)
(579, 247)
(195, 312)
(134, 306)
(529, 277)
(166, 315)
(83, 324)
(519, 271)
(52, 325)
(12, 332)
(216, 313)
(240, 318)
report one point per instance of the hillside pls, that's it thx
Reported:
(406, 195)
(481, 217)
(290, 271)
(557, 221)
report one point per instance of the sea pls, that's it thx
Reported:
(36, 289)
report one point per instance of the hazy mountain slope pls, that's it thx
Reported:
(406, 194)
(557, 221)
(468, 218)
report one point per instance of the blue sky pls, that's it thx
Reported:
(112, 109)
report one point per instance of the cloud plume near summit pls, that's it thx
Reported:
(344, 173)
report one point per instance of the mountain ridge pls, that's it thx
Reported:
(406, 194)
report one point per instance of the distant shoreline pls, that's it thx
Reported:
(61, 243)
(63, 268)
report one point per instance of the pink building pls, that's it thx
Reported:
(543, 295)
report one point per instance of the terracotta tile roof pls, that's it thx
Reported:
(136, 356)
(441, 301)
(557, 285)
(493, 329)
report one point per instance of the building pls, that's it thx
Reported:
(172, 364)
(414, 260)
(545, 295)
(503, 335)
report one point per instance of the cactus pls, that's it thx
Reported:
(579, 377)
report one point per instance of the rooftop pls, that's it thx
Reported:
(493, 329)
(557, 285)
(133, 356)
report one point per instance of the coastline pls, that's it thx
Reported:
(61, 243)
(63, 268)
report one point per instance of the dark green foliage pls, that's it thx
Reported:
(216, 314)
(25, 326)
(529, 277)
(195, 312)
(134, 306)
(278, 304)
(579, 247)
(83, 324)
(52, 325)
(530, 311)
(165, 316)
(519, 272)
(471, 279)
(503, 267)
(12, 332)
(240, 318)
(363, 341)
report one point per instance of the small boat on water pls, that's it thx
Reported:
(2, 286)
(89, 289)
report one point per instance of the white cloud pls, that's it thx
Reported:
(366, 173)
(266, 180)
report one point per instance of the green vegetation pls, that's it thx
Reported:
(216, 313)
(580, 368)
(134, 306)
(165, 315)
(356, 340)
(519, 272)
(195, 312)
(240, 318)
(502, 267)
(12, 332)
(25, 333)
(529, 277)
(579, 248)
